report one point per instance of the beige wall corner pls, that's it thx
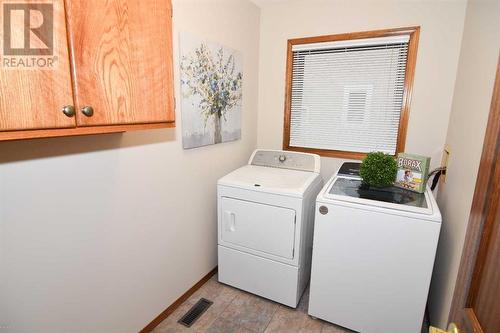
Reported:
(467, 125)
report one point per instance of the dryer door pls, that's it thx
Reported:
(260, 227)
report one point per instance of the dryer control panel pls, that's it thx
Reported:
(286, 160)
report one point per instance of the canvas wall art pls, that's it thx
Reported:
(211, 88)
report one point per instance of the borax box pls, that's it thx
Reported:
(412, 172)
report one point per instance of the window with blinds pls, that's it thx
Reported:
(347, 95)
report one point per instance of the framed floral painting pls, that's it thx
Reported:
(211, 88)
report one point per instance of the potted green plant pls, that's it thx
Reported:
(378, 170)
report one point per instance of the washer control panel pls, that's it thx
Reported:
(285, 160)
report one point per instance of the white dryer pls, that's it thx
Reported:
(265, 224)
(373, 255)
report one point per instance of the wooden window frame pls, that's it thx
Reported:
(413, 32)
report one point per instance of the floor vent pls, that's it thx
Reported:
(195, 312)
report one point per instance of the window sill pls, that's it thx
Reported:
(329, 153)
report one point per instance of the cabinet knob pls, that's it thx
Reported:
(68, 110)
(88, 111)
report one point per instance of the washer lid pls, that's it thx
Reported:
(351, 189)
(270, 180)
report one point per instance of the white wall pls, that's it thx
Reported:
(469, 116)
(441, 30)
(102, 233)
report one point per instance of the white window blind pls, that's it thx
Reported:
(348, 95)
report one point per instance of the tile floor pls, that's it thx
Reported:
(235, 311)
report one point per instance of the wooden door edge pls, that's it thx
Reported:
(479, 208)
(473, 324)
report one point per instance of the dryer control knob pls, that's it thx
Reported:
(282, 158)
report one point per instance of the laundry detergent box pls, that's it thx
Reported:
(413, 171)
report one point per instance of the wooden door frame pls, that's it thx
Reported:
(474, 249)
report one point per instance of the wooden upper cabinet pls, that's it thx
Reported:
(114, 56)
(35, 77)
(122, 60)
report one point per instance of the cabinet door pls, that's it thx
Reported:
(35, 80)
(122, 57)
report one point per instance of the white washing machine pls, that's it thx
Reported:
(373, 255)
(265, 224)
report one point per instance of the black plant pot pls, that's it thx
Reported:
(387, 193)
(366, 186)
(368, 191)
